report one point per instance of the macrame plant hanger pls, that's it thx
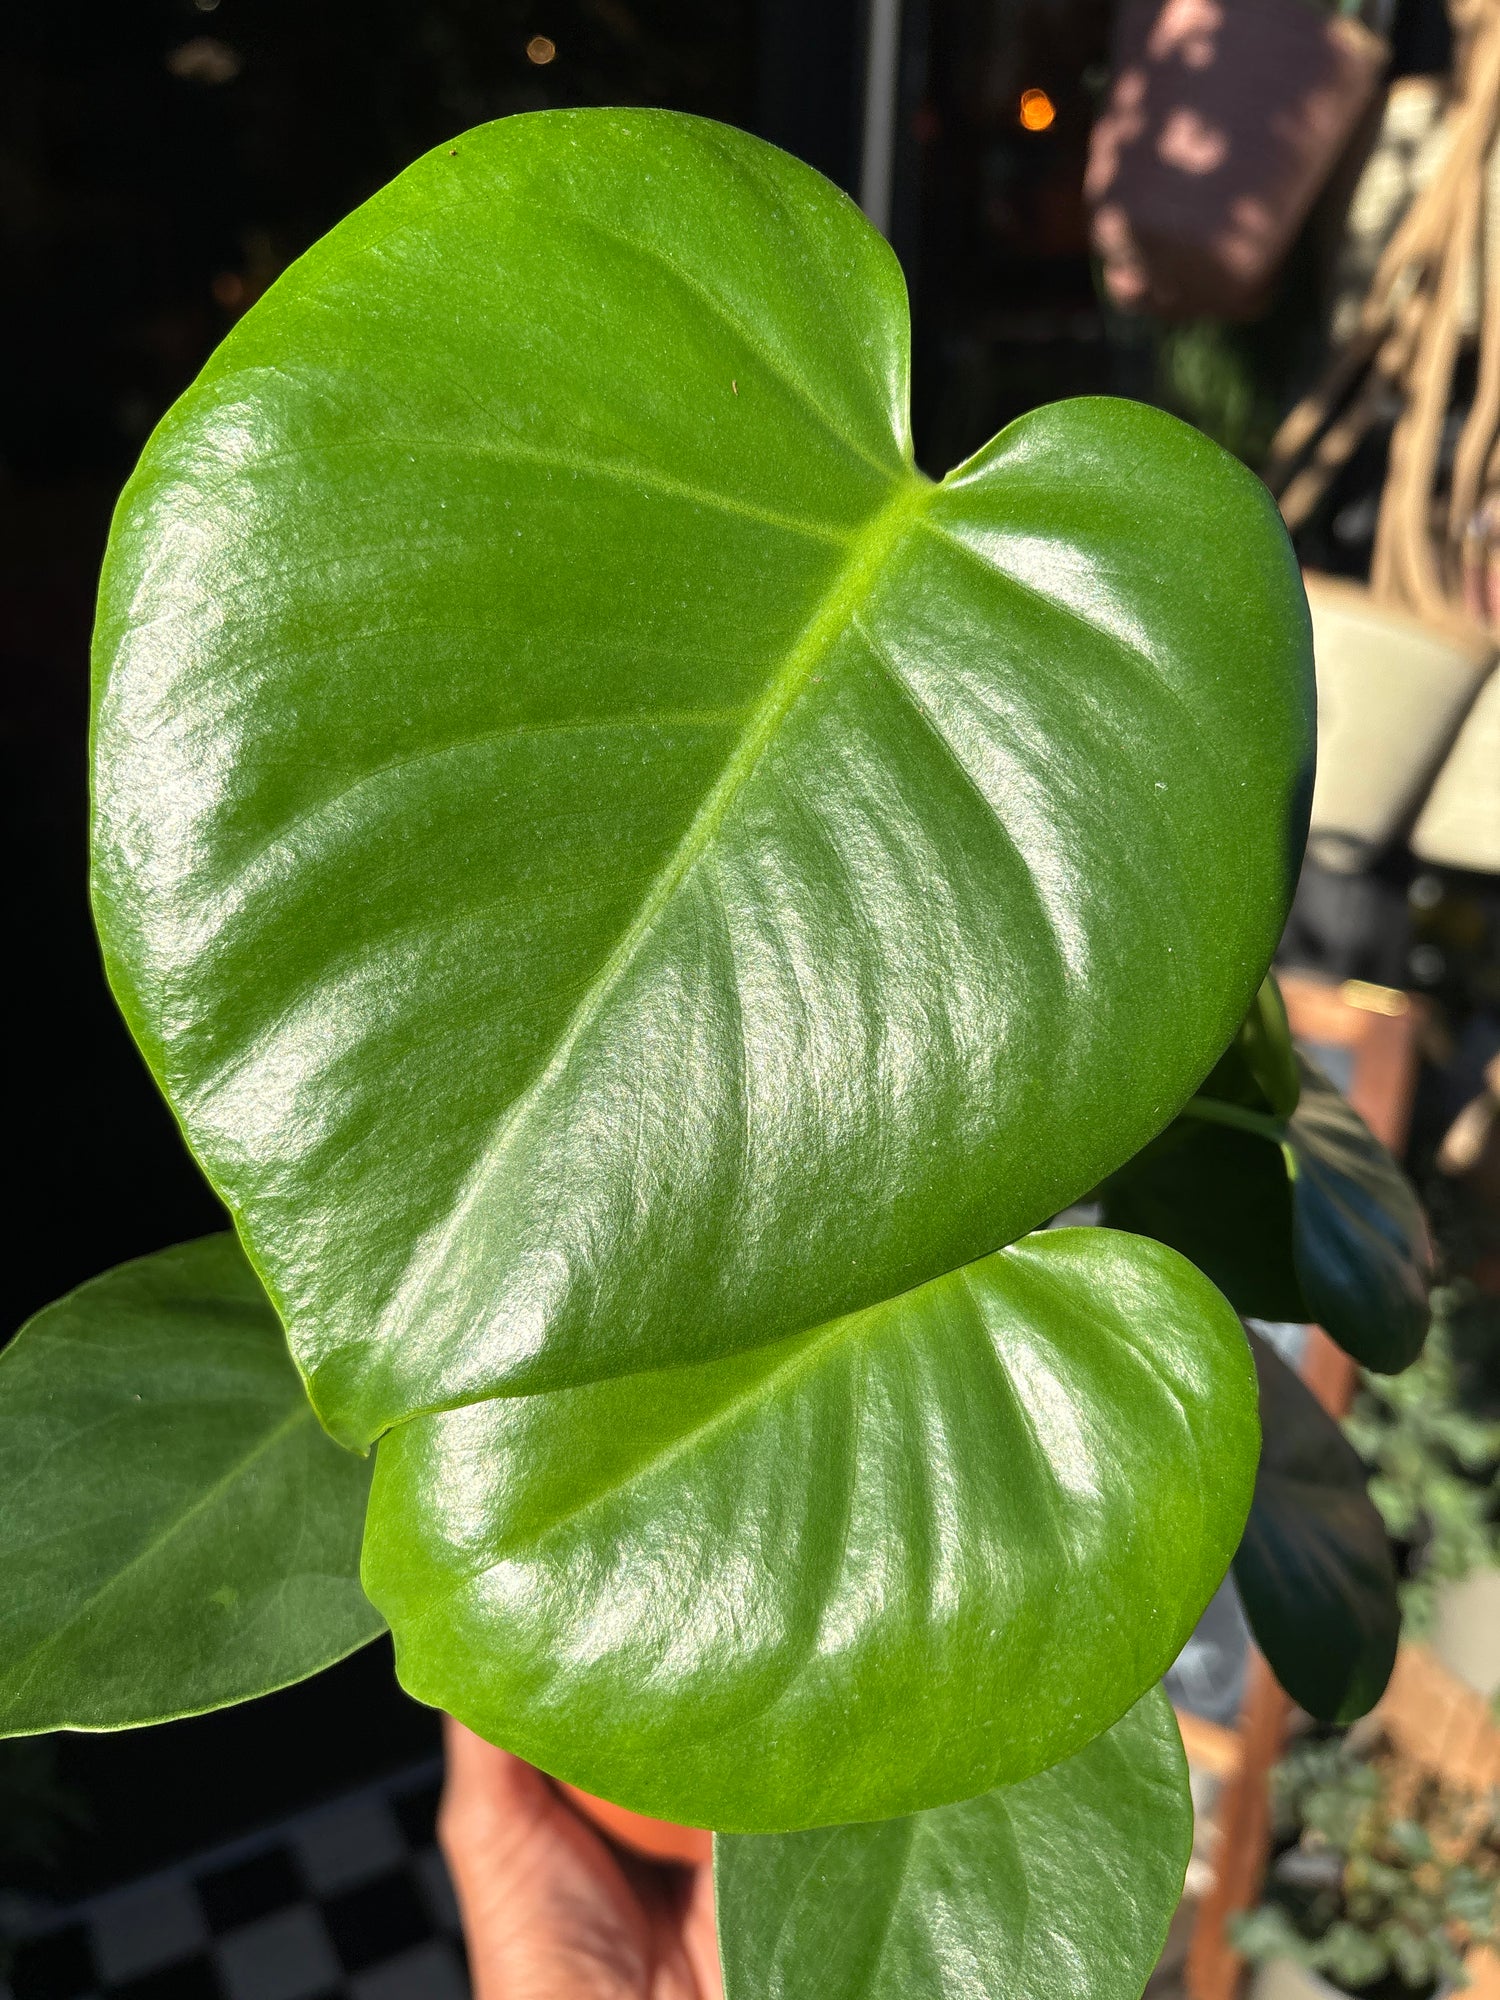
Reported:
(1431, 558)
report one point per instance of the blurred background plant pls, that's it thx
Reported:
(1431, 1438)
(1386, 1875)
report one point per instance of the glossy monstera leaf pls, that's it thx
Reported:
(1314, 1571)
(879, 1566)
(1056, 1888)
(1300, 1217)
(180, 1532)
(612, 867)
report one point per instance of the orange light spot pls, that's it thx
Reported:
(540, 50)
(1037, 110)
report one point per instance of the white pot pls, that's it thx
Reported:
(1393, 691)
(1284, 1979)
(1460, 823)
(1466, 1629)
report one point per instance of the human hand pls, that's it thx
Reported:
(554, 1911)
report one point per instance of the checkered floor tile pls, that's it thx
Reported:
(349, 1902)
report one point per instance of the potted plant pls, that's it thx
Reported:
(644, 906)
(1433, 1448)
(1387, 1877)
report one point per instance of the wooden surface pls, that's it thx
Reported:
(1440, 1723)
(1380, 1027)
(1209, 1745)
(1244, 1831)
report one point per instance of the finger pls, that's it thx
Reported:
(700, 1936)
(547, 1913)
(489, 1796)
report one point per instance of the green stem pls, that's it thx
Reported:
(1214, 1111)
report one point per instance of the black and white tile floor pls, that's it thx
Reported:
(347, 1902)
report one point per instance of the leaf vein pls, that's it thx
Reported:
(29, 1663)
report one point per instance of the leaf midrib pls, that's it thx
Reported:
(22, 1672)
(806, 1348)
(869, 549)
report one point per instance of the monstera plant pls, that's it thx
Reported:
(644, 906)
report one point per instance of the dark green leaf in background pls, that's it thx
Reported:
(1315, 1571)
(1053, 1889)
(880, 1566)
(1222, 1197)
(611, 866)
(1363, 1253)
(180, 1532)
(1305, 1217)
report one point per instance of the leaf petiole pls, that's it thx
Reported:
(1215, 1111)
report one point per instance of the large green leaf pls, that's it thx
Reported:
(180, 1532)
(611, 866)
(1304, 1217)
(1050, 1890)
(883, 1565)
(1314, 1570)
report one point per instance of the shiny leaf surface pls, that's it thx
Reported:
(1314, 1570)
(1049, 1890)
(180, 1532)
(1302, 1218)
(613, 868)
(883, 1565)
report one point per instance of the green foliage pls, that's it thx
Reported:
(1066, 1882)
(1226, 380)
(642, 904)
(706, 846)
(1434, 1460)
(1260, 1069)
(1360, 1242)
(630, 890)
(1290, 1204)
(180, 1533)
(1314, 1570)
(1391, 1873)
(1276, 1189)
(621, 1580)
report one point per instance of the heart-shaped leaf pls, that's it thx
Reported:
(1060, 1887)
(180, 1532)
(891, 1562)
(611, 866)
(1314, 1570)
(1299, 1218)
